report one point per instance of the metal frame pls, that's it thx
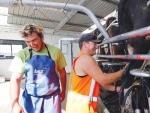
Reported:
(135, 57)
(134, 34)
(64, 6)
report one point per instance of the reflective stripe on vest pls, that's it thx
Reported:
(91, 88)
(89, 97)
(84, 97)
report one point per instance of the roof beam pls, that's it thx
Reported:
(69, 16)
(44, 20)
(111, 1)
(100, 17)
(78, 25)
(26, 17)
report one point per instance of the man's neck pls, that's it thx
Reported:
(85, 52)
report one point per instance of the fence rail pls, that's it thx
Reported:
(129, 57)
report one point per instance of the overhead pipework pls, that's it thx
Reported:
(12, 3)
(132, 34)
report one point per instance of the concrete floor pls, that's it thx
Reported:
(5, 106)
(4, 98)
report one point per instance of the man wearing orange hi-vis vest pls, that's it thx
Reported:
(86, 77)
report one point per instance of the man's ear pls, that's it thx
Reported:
(84, 44)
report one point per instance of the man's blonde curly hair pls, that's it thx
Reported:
(28, 29)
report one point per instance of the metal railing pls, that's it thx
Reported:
(133, 34)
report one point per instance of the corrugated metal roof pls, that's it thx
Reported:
(61, 19)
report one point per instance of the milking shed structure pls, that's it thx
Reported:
(64, 21)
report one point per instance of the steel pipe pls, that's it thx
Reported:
(133, 34)
(8, 3)
(129, 57)
(65, 6)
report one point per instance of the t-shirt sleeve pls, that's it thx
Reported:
(61, 60)
(16, 65)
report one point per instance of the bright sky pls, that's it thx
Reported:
(93, 27)
(3, 19)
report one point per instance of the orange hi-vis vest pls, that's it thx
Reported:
(83, 93)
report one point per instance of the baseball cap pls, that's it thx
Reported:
(89, 37)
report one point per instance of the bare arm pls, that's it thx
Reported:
(87, 65)
(15, 92)
(63, 82)
(111, 88)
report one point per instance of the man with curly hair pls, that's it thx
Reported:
(44, 68)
